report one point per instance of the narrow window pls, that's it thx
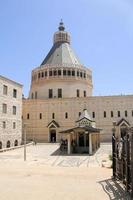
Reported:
(45, 73)
(78, 93)
(59, 93)
(66, 115)
(4, 124)
(55, 72)
(84, 93)
(69, 73)
(132, 113)
(125, 113)
(14, 93)
(28, 116)
(53, 115)
(104, 114)
(5, 89)
(59, 72)
(84, 75)
(4, 108)
(79, 114)
(14, 110)
(93, 114)
(14, 125)
(35, 95)
(112, 114)
(38, 75)
(119, 114)
(50, 93)
(40, 116)
(73, 73)
(50, 73)
(80, 74)
(8, 144)
(64, 72)
(42, 74)
(0, 145)
(77, 73)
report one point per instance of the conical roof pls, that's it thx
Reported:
(61, 52)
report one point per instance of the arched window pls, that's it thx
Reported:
(0, 145)
(8, 144)
(16, 143)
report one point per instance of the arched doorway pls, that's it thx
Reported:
(0, 145)
(52, 135)
(16, 143)
(8, 144)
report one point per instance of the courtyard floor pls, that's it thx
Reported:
(47, 175)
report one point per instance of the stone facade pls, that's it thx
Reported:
(61, 87)
(10, 113)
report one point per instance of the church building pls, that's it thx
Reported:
(61, 88)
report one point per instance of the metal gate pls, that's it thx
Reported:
(122, 152)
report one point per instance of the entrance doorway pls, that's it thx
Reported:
(52, 135)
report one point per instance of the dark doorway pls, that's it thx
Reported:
(52, 135)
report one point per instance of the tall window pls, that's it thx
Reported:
(4, 124)
(14, 110)
(28, 116)
(50, 93)
(119, 114)
(53, 115)
(32, 95)
(125, 113)
(132, 113)
(45, 73)
(4, 108)
(5, 89)
(84, 93)
(64, 72)
(14, 125)
(59, 72)
(79, 114)
(14, 93)
(104, 114)
(112, 114)
(93, 114)
(66, 115)
(36, 95)
(50, 73)
(40, 116)
(73, 73)
(78, 93)
(59, 93)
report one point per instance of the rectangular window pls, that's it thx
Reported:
(45, 73)
(28, 116)
(77, 73)
(79, 114)
(4, 108)
(4, 124)
(112, 114)
(119, 114)
(64, 72)
(5, 89)
(66, 115)
(14, 125)
(73, 73)
(69, 73)
(50, 73)
(14, 93)
(53, 115)
(50, 93)
(125, 113)
(42, 74)
(132, 113)
(84, 93)
(59, 72)
(104, 114)
(84, 75)
(80, 74)
(55, 73)
(35, 95)
(40, 116)
(14, 110)
(78, 93)
(93, 114)
(59, 93)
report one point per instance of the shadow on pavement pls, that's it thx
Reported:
(114, 190)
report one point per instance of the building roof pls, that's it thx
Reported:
(61, 52)
(10, 81)
(79, 128)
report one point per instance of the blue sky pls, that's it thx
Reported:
(101, 33)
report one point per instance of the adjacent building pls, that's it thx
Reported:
(61, 88)
(10, 113)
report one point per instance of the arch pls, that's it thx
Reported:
(8, 144)
(16, 143)
(0, 145)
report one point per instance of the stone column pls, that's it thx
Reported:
(90, 144)
(69, 144)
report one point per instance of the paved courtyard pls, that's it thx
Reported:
(47, 175)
